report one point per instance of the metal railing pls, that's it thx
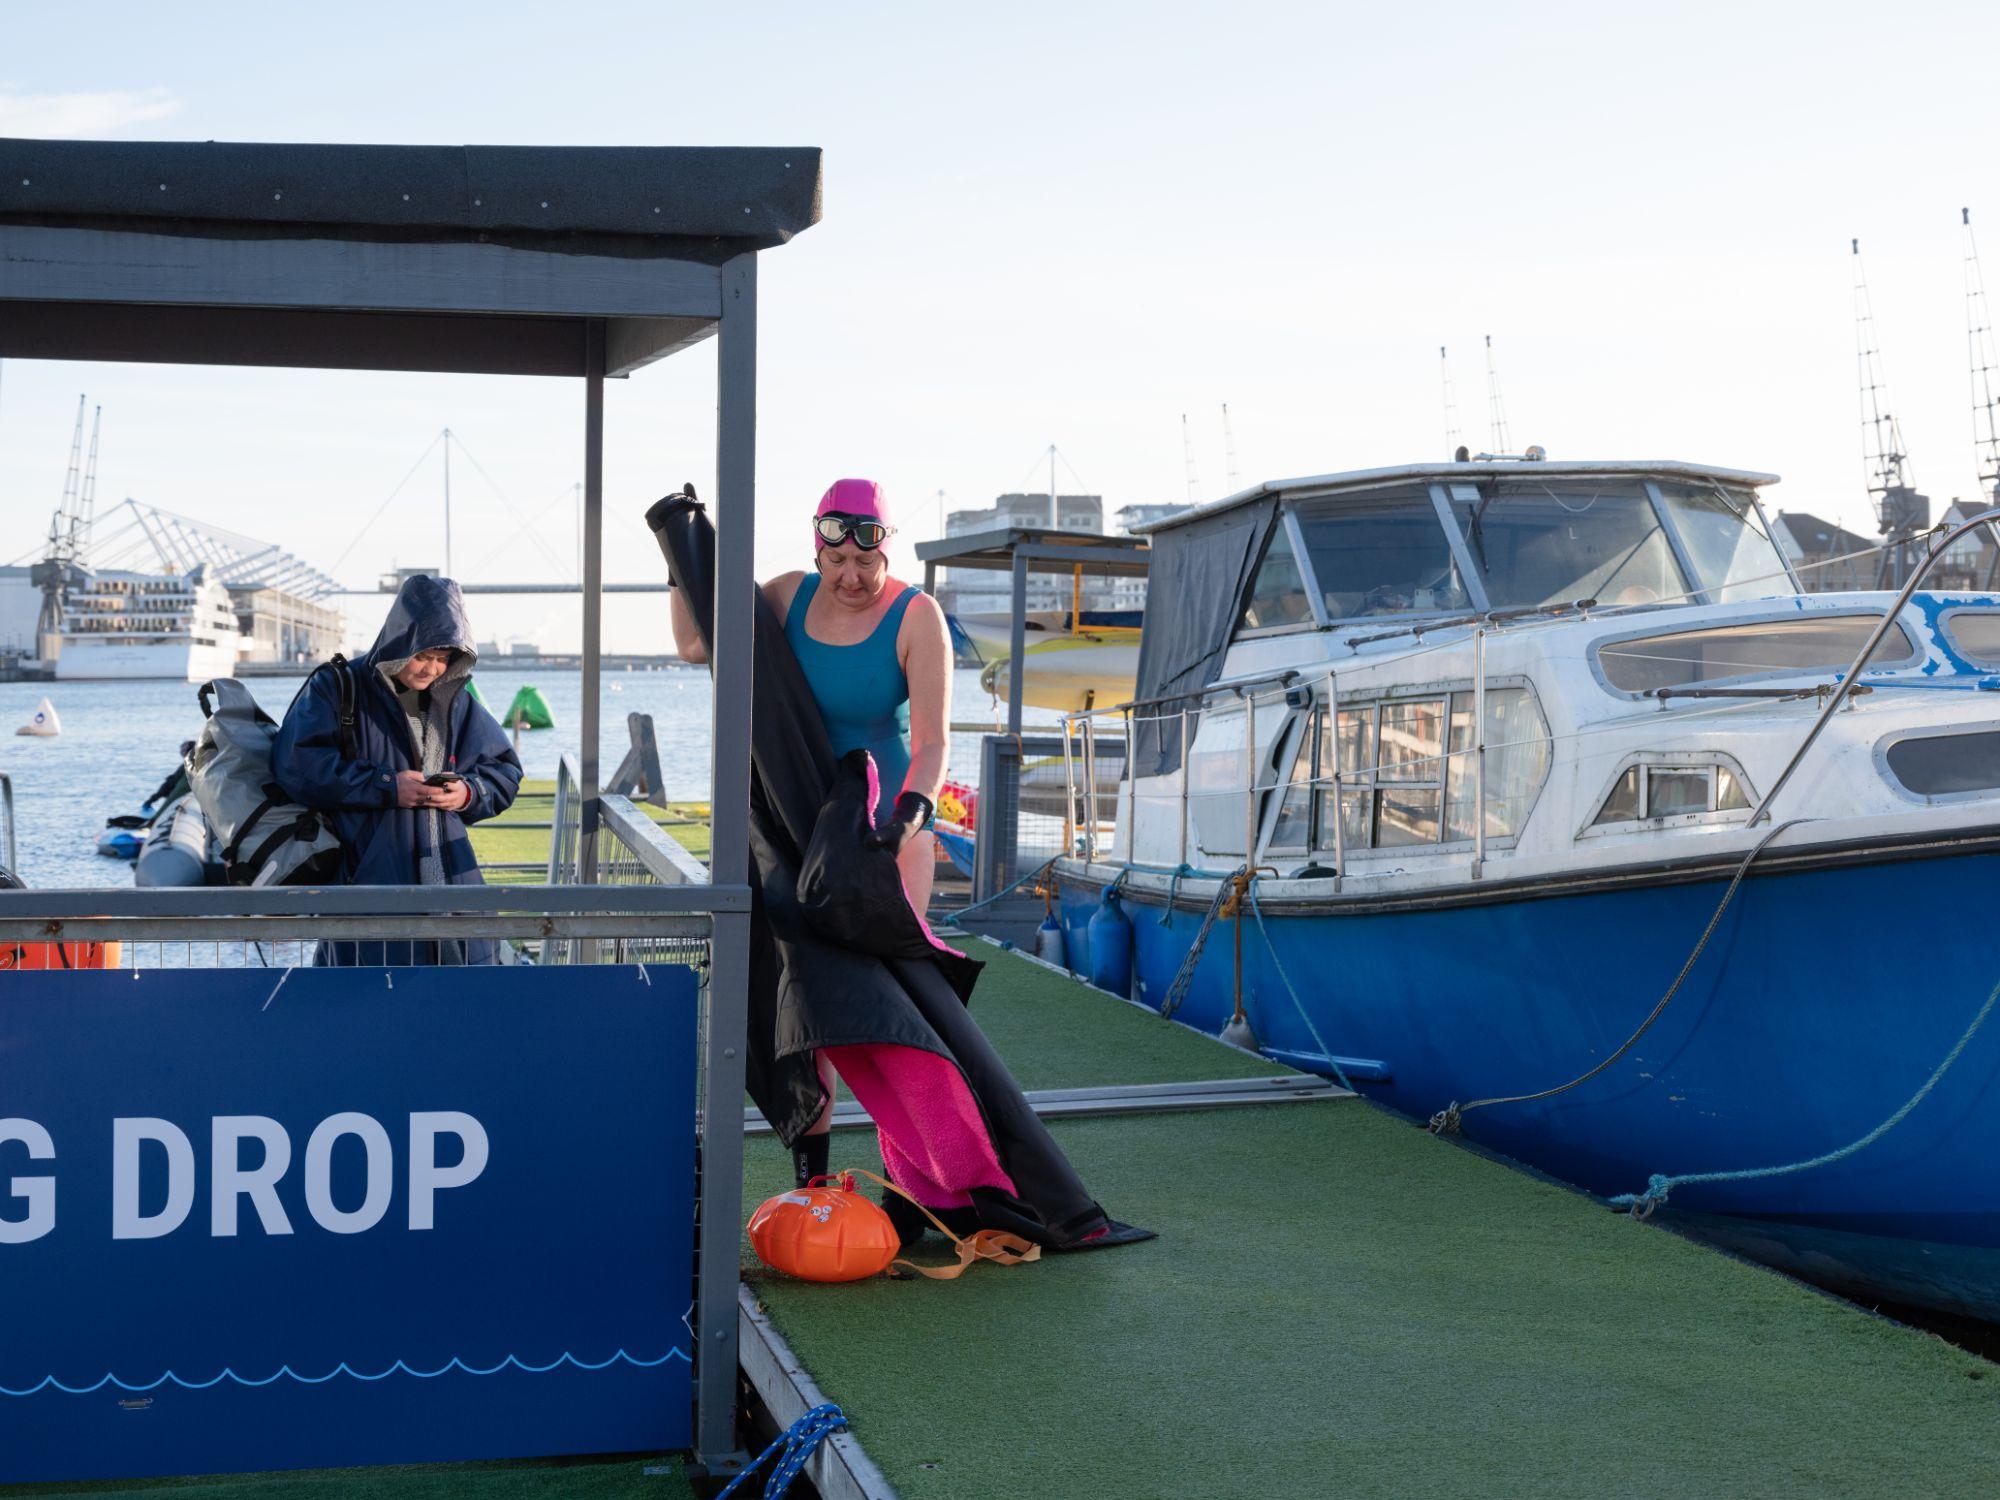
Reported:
(632, 850)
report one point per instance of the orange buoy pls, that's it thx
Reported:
(824, 1233)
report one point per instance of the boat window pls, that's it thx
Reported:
(1278, 596)
(1380, 554)
(1407, 777)
(1673, 791)
(1940, 765)
(1684, 658)
(1536, 542)
(1517, 759)
(1976, 633)
(1732, 557)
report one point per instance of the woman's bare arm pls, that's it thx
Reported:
(926, 648)
(687, 639)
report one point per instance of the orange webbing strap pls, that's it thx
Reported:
(995, 1245)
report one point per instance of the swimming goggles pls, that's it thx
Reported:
(835, 528)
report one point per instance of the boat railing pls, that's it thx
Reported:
(1293, 688)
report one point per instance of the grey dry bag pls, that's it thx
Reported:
(265, 837)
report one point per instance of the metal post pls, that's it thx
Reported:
(1339, 812)
(1184, 784)
(593, 589)
(1478, 752)
(1069, 786)
(1250, 777)
(1090, 787)
(1017, 645)
(729, 863)
(447, 502)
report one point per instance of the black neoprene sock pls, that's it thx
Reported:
(809, 1157)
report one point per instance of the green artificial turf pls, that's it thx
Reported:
(1057, 1033)
(525, 1479)
(1342, 1304)
(498, 841)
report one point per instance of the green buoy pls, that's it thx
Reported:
(531, 709)
(472, 691)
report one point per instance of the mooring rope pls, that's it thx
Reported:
(1270, 947)
(1641, 1205)
(1184, 976)
(1448, 1120)
(797, 1442)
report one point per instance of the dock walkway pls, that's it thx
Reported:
(1341, 1303)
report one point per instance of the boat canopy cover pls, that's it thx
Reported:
(746, 198)
(1204, 566)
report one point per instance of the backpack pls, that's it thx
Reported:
(265, 838)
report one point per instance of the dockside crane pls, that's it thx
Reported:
(1496, 408)
(1901, 513)
(61, 567)
(1454, 438)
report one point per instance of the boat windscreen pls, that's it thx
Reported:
(1381, 555)
(1537, 542)
(1725, 542)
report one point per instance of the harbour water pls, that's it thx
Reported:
(121, 739)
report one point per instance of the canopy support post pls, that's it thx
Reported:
(727, 1030)
(593, 588)
(1017, 646)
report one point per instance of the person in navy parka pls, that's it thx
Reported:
(413, 720)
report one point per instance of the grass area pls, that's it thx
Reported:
(503, 840)
(522, 1479)
(1339, 1301)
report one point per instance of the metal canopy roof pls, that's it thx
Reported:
(466, 259)
(1445, 469)
(1043, 550)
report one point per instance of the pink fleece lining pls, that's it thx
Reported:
(934, 1141)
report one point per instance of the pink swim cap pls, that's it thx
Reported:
(852, 497)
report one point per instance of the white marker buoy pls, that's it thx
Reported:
(43, 722)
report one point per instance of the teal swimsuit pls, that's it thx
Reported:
(862, 693)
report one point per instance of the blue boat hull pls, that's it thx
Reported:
(1824, 1001)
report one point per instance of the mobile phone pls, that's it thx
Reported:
(442, 778)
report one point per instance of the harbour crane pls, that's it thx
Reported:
(1901, 513)
(1454, 439)
(61, 567)
(1496, 408)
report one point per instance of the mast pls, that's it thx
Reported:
(1055, 515)
(447, 502)
(1229, 448)
(1496, 408)
(1187, 455)
(1454, 439)
(1900, 512)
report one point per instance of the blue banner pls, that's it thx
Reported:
(258, 1219)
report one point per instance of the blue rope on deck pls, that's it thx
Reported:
(1250, 892)
(1659, 1185)
(797, 1442)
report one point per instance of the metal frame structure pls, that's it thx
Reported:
(1024, 550)
(588, 263)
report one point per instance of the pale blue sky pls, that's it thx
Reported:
(1073, 223)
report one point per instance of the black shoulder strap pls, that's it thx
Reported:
(343, 676)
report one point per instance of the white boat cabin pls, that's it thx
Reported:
(1446, 673)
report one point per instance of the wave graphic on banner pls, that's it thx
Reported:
(287, 1372)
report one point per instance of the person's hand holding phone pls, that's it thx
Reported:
(449, 790)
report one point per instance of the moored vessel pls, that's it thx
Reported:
(1544, 799)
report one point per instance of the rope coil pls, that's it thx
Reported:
(795, 1445)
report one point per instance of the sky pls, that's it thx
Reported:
(1072, 225)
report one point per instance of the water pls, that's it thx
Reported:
(121, 739)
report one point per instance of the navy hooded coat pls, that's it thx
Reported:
(381, 843)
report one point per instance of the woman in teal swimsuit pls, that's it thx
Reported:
(878, 659)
